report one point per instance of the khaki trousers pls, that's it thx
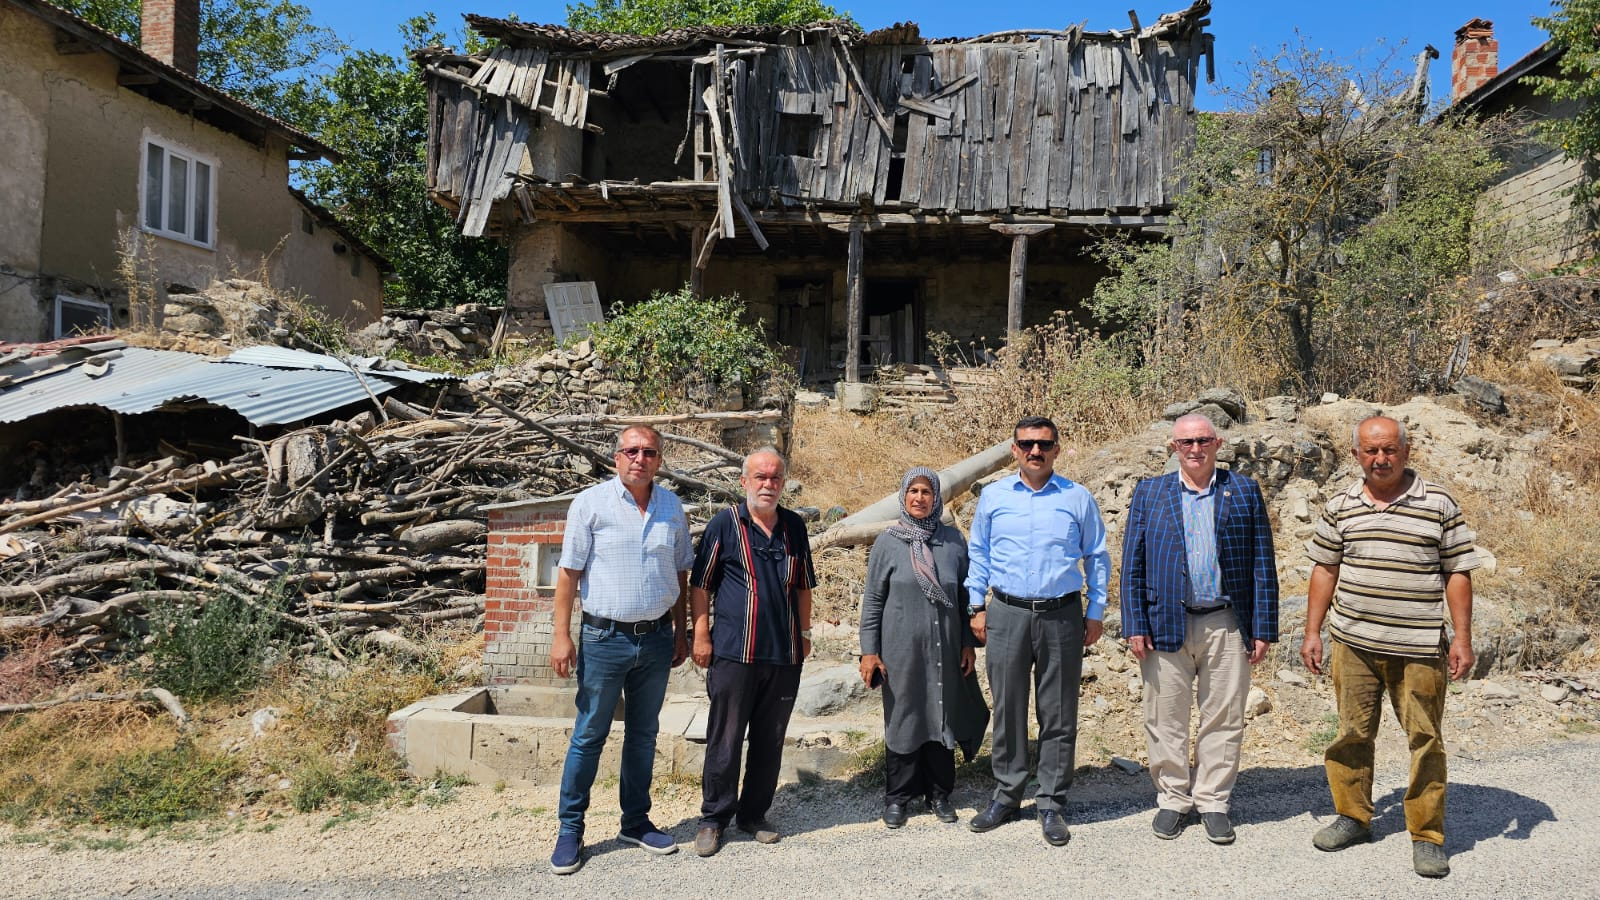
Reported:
(1416, 687)
(1213, 667)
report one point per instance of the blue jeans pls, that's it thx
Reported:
(612, 665)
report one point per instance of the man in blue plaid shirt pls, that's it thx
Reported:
(1199, 608)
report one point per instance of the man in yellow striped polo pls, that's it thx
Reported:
(1392, 554)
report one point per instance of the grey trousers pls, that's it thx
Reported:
(1046, 648)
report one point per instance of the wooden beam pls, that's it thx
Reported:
(1022, 230)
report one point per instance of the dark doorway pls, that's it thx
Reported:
(891, 330)
(803, 322)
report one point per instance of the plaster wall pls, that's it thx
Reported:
(24, 104)
(555, 152)
(546, 253)
(70, 189)
(349, 285)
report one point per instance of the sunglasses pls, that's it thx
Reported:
(1044, 446)
(1195, 442)
(636, 452)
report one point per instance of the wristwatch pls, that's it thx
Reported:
(974, 610)
(806, 634)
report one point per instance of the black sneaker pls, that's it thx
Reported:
(1168, 824)
(1341, 833)
(1218, 829)
(1429, 860)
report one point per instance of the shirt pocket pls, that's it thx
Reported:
(659, 545)
(1064, 532)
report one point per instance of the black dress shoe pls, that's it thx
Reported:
(941, 808)
(1054, 827)
(894, 814)
(996, 815)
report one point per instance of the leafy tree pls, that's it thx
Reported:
(653, 16)
(376, 116)
(1321, 219)
(260, 51)
(1575, 28)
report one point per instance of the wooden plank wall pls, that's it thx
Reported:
(476, 149)
(1049, 125)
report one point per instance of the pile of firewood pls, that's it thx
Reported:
(348, 532)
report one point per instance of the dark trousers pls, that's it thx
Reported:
(928, 771)
(745, 697)
(1045, 649)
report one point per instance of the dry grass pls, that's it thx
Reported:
(1090, 386)
(52, 760)
(65, 764)
(851, 461)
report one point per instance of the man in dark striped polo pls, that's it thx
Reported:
(1391, 554)
(755, 560)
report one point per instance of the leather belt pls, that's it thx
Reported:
(1038, 606)
(648, 626)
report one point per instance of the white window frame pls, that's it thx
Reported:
(170, 151)
(63, 300)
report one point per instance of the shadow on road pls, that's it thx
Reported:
(1472, 813)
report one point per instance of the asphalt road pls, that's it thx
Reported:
(1519, 824)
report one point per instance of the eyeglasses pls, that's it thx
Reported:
(1044, 446)
(636, 452)
(1195, 442)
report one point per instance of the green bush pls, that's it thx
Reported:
(149, 788)
(319, 784)
(673, 342)
(216, 649)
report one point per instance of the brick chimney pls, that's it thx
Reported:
(1476, 59)
(169, 30)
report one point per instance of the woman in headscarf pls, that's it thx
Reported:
(915, 638)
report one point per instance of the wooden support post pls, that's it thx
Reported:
(697, 275)
(1019, 271)
(852, 350)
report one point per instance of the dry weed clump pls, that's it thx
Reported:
(54, 762)
(850, 460)
(27, 671)
(1092, 386)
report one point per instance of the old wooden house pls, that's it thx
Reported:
(858, 190)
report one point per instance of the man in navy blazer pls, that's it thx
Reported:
(1199, 608)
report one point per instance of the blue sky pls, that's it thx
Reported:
(1242, 27)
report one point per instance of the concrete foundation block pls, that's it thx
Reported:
(856, 396)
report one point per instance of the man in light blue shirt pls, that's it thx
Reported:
(1039, 545)
(627, 551)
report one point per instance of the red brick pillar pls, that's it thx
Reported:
(169, 30)
(519, 591)
(1475, 60)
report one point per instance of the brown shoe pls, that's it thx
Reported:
(708, 840)
(761, 830)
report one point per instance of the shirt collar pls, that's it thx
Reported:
(1417, 489)
(623, 494)
(1057, 482)
(1203, 491)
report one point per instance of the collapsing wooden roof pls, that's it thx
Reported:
(1042, 123)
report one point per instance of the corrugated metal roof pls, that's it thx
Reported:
(138, 380)
(285, 358)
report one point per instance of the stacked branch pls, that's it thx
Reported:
(346, 533)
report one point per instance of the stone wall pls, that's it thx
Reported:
(1535, 205)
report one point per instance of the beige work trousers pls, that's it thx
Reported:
(1213, 668)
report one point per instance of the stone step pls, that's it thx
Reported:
(521, 734)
